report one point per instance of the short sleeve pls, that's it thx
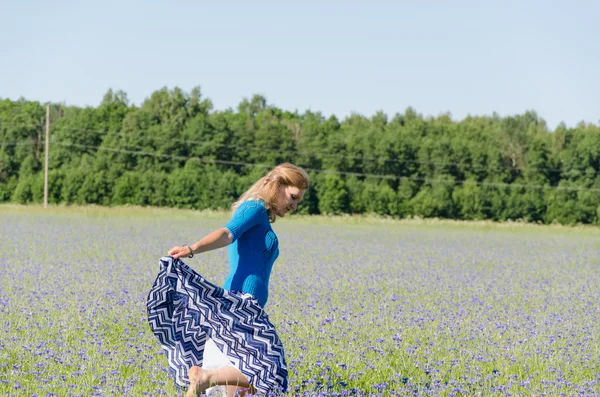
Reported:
(245, 217)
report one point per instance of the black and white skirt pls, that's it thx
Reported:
(184, 310)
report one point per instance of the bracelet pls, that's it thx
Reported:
(191, 251)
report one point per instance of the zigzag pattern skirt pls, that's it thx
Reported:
(184, 310)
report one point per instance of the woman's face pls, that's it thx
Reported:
(289, 197)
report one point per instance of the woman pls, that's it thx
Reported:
(193, 318)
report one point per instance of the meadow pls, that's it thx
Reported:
(364, 306)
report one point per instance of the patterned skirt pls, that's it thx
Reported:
(184, 309)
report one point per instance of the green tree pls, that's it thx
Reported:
(126, 189)
(333, 195)
(567, 205)
(21, 133)
(310, 202)
(471, 204)
(153, 189)
(435, 200)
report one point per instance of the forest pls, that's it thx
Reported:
(176, 150)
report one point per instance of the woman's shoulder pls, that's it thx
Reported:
(251, 206)
(253, 203)
(247, 215)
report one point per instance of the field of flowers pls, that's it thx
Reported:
(364, 307)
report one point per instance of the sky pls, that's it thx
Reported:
(335, 57)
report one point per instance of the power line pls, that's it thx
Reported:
(143, 153)
(21, 125)
(338, 156)
(393, 177)
(19, 144)
(257, 149)
(328, 155)
(288, 151)
(347, 173)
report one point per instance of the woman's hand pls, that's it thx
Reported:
(180, 251)
(217, 239)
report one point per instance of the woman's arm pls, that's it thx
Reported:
(217, 239)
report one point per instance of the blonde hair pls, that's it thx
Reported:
(266, 188)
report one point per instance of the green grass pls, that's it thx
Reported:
(363, 305)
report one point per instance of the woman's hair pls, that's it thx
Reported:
(267, 187)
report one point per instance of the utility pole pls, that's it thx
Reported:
(47, 150)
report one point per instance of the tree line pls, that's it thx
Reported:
(175, 150)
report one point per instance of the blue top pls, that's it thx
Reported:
(253, 251)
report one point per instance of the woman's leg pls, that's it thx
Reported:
(201, 379)
(233, 391)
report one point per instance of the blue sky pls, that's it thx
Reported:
(462, 57)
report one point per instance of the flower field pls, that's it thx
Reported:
(363, 307)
